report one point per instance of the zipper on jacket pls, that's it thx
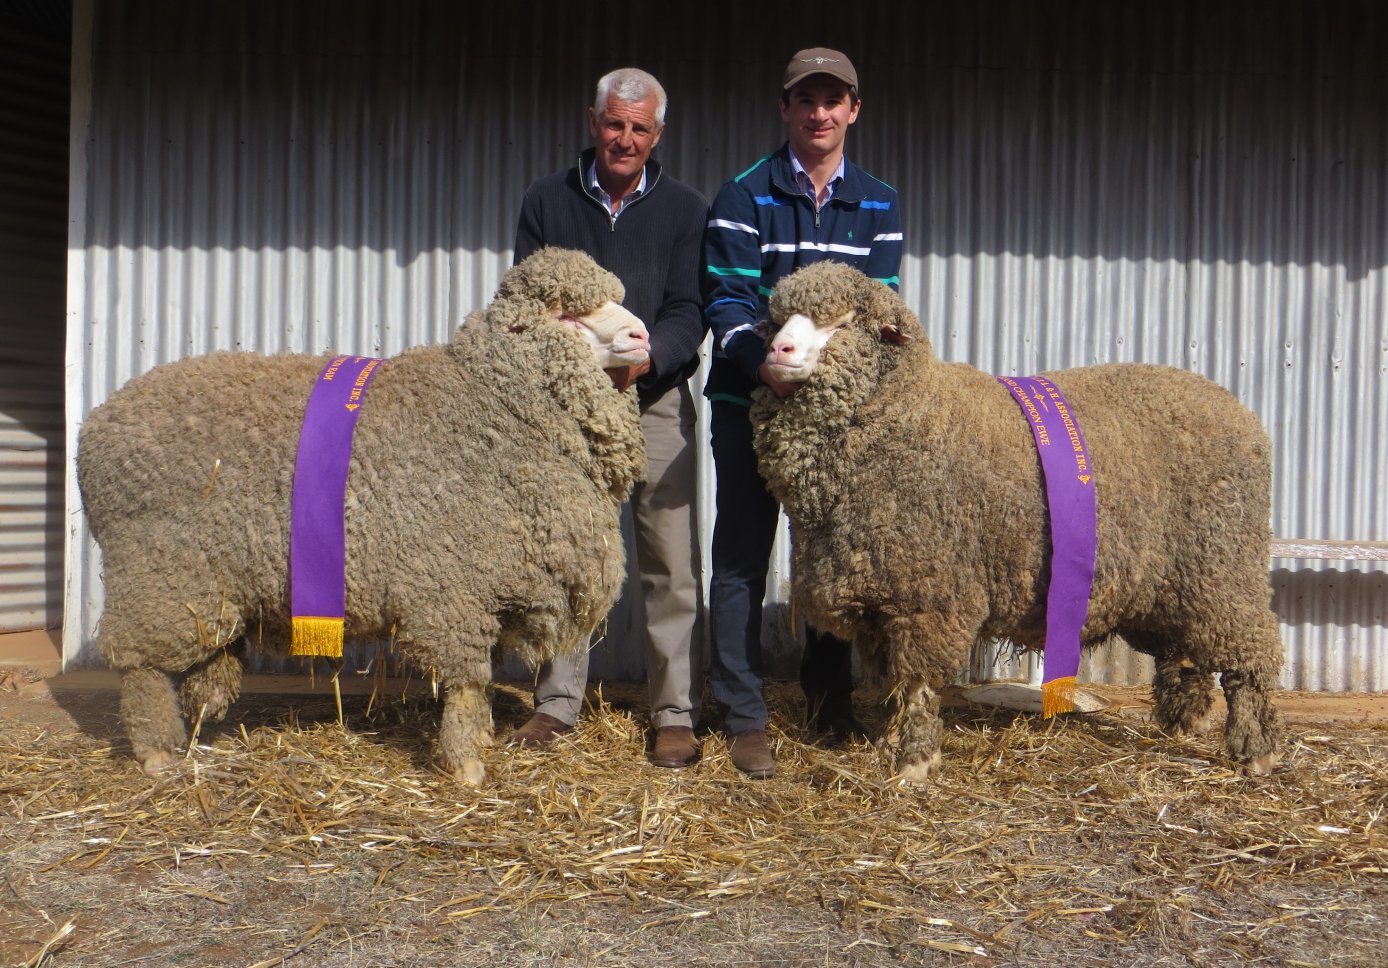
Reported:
(611, 216)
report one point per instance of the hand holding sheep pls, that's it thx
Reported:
(482, 504)
(920, 528)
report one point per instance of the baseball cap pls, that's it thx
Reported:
(819, 60)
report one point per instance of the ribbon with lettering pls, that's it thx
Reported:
(317, 533)
(1070, 499)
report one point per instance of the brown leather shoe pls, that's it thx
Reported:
(751, 754)
(674, 747)
(539, 731)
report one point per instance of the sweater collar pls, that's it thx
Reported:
(585, 164)
(849, 189)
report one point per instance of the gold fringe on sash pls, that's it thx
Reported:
(1057, 696)
(317, 636)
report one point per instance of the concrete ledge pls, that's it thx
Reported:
(39, 652)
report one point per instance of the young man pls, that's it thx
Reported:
(643, 225)
(803, 203)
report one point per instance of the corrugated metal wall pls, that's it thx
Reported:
(33, 232)
(1203, 184)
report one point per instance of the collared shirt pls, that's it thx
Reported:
(606, 199)
(806, 183)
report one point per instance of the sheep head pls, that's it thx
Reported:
(838, 335)
(553, 315)
(813, 304)
(567, 286)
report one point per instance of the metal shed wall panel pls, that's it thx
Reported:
(33, 220)
(1203, 185)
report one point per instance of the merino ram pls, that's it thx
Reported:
(919, 516)
(482, 504)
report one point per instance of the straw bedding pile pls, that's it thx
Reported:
(284, 837)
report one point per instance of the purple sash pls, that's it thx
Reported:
(317, 536)
(1070, 499)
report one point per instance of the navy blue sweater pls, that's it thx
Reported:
(762, 228)
(653, 247)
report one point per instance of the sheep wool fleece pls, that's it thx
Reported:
(920, 529)
(481, 509)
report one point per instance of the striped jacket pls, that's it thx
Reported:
(762, 228)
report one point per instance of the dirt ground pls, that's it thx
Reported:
(1089, 840)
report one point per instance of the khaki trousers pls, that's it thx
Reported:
(667, 554)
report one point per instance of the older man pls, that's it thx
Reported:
(620, 207)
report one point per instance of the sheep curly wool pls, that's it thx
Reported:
(919, 521)
(482, 507)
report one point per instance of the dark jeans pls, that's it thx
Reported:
(743, 532)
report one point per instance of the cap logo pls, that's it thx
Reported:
(819, 60)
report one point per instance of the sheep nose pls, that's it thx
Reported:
(782, 347)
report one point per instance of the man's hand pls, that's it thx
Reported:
(624, 376)
(778, 387)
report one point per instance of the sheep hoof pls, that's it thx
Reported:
(470, 772)
(919, 772)
(1262, 765)
(155, 763)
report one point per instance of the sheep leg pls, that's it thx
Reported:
(149, 707)
(1236, 636)
(209, 688)
(923, 651)
(914, 730)
(465, 731)
(1251, 728)
(1183, 696)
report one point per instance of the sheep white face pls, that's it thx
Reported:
(794, 350)
(618, 338)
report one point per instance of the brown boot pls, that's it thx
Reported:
(539, 731)
(751, 754)
(675, 747)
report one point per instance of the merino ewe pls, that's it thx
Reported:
(919, 517)
(482, 504)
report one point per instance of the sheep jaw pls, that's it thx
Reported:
(615, 335)
(1261, 765)
(789, 372)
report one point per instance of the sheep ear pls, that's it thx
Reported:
(885, 305)
(891, 333)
